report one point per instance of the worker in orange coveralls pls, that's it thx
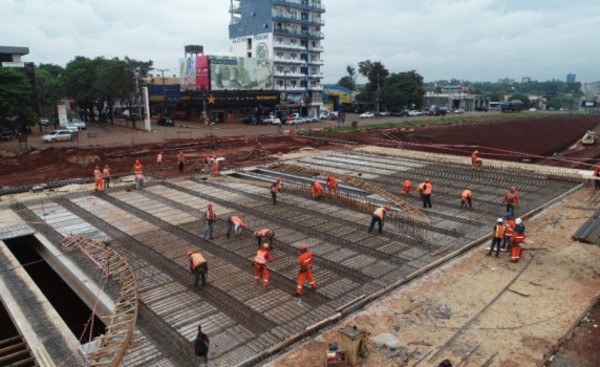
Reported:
(475, 160)
(515, 245)
(265, 235)
(331, 184)
(425, 189)
(465, 197)
(181, 161)
(99, 183)
(260, 265)
(406, 188)
(305, 261)
(214, 169)
(511, 199)
(139, 174)
(316, 190)
(235, 225)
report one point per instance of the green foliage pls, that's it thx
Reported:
(15, 96)
(48, 79)
(403, 90)
(347, 82)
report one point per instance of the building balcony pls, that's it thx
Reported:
(315, 62)
(316, 75)
(284, 60)
(295, 19)
(298, 33)
(295, 4)
(289, 88)
(288, 46)
(315, 88)
(235, 9)
(288, 74)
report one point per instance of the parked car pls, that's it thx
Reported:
(166, 121)
(6, 135)
(367, 115)
(384, 113)
(271, 120)
(458, 111)
(57, 135)
(296, 121)
(77, 123)
(71, 127)
(324, 115)
(44, 121)
(252, 120)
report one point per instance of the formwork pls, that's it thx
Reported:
(153, 228)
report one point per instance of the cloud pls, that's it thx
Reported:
(478, 40)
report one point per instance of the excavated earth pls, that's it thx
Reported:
(514, 137)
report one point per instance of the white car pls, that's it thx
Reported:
(367, 115)
(78, 123)
(272, 120)
(57, 135)
(296, 121)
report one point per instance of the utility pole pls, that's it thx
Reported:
(162, 71)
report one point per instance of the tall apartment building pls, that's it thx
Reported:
(289, 32)
(571, 78)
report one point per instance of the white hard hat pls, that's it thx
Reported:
(499, 220)
(518, 221)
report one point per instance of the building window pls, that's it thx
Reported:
(293, 55)
(293, 83)
(280, 69)
(293, 69)
(279, 54)
(280, 83)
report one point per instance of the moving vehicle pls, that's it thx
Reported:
(367, 115)
(77, 123)
(166, 121)
(589, 138)
(515, 105)
(57, 135)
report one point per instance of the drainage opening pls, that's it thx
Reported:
(75, 313)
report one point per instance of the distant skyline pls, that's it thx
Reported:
(474, 40)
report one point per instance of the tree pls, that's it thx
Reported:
(49, 88)
(376, 73)
(403, 90)
(15, 97)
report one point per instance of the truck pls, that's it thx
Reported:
(515, 105)
(589, 138)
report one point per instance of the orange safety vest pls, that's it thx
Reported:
(180, 157)
(238, 220)
(406, 187)
(210, 214)
(466, 194)
(158, 158)
(261, 257)
(421, 187)
(473, 158)
(331, 182)
(305, 259)
(106, 172)
(379, 212)
(196, 258)
(97, 175)
(511, 197)
(499, 231)
(510, 227)
(137, 168)
(427, 187)
(517, 238)
(262, 232)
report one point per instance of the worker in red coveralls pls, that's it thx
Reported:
(517, 238)
(265, 235)
(475, 160)
(305, 261)
(316, 190)
(511, 199)
(331, 184)
(99, 183)
(509, 229)
(214, 170)
(406, 188)
(138, 170)
(260, 265)
(465, 197)
(597, 176)
(235, 225)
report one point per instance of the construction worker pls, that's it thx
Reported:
(305, 261)
(279, 183)
(475, 160)
(465, 197)
(139, 174)
(260, 265)
(316, 190)
(214, 169)
(206, 161)
(406, 188)
(274, 191)
(379, 217)
(209, 218)
(425, 189)
(511, 199)
(509, 229)
(515, 244)
(597, 176)
(181, 161)
(159, 160)
(106, 176)
(519, 226)
(235, 224)
(99, 184)
(265, 235)
(331, 184)
(497, 236)
(198, 267)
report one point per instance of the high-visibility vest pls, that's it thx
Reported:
(106, 172)
(262, 233)
(238, 220)
(158, 158)
(511, 197)
(473, 157)
(261, 257)
(427, 187)
(180, 158)
(380, 212)
(510, 227)
(421, 187)
(305, 259)
(197, 259)
(466, 194)
(499, 230)
(406, 186)
(517, 238)
(97, 174)
(209, 215)
(137, 168)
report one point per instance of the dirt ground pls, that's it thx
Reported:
(521, 327)
(462, 311)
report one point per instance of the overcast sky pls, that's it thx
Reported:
(475, 40)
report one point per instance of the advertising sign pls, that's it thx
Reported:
(202, 74)
(239, 73)
(588, 104)
(62, 115)
(187, 72)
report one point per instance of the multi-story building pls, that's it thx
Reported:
(571, 78)
(289, 32)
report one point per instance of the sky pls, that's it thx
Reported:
(472, 40)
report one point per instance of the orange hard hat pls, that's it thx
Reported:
(189, 253)
(303, 247)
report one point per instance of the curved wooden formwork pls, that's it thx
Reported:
(114, 342)
(409, 211)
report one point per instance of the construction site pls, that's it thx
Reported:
(101, 278)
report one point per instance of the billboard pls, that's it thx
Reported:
(240, 73)
(187, 72)
(202, 73)
(588, 103)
